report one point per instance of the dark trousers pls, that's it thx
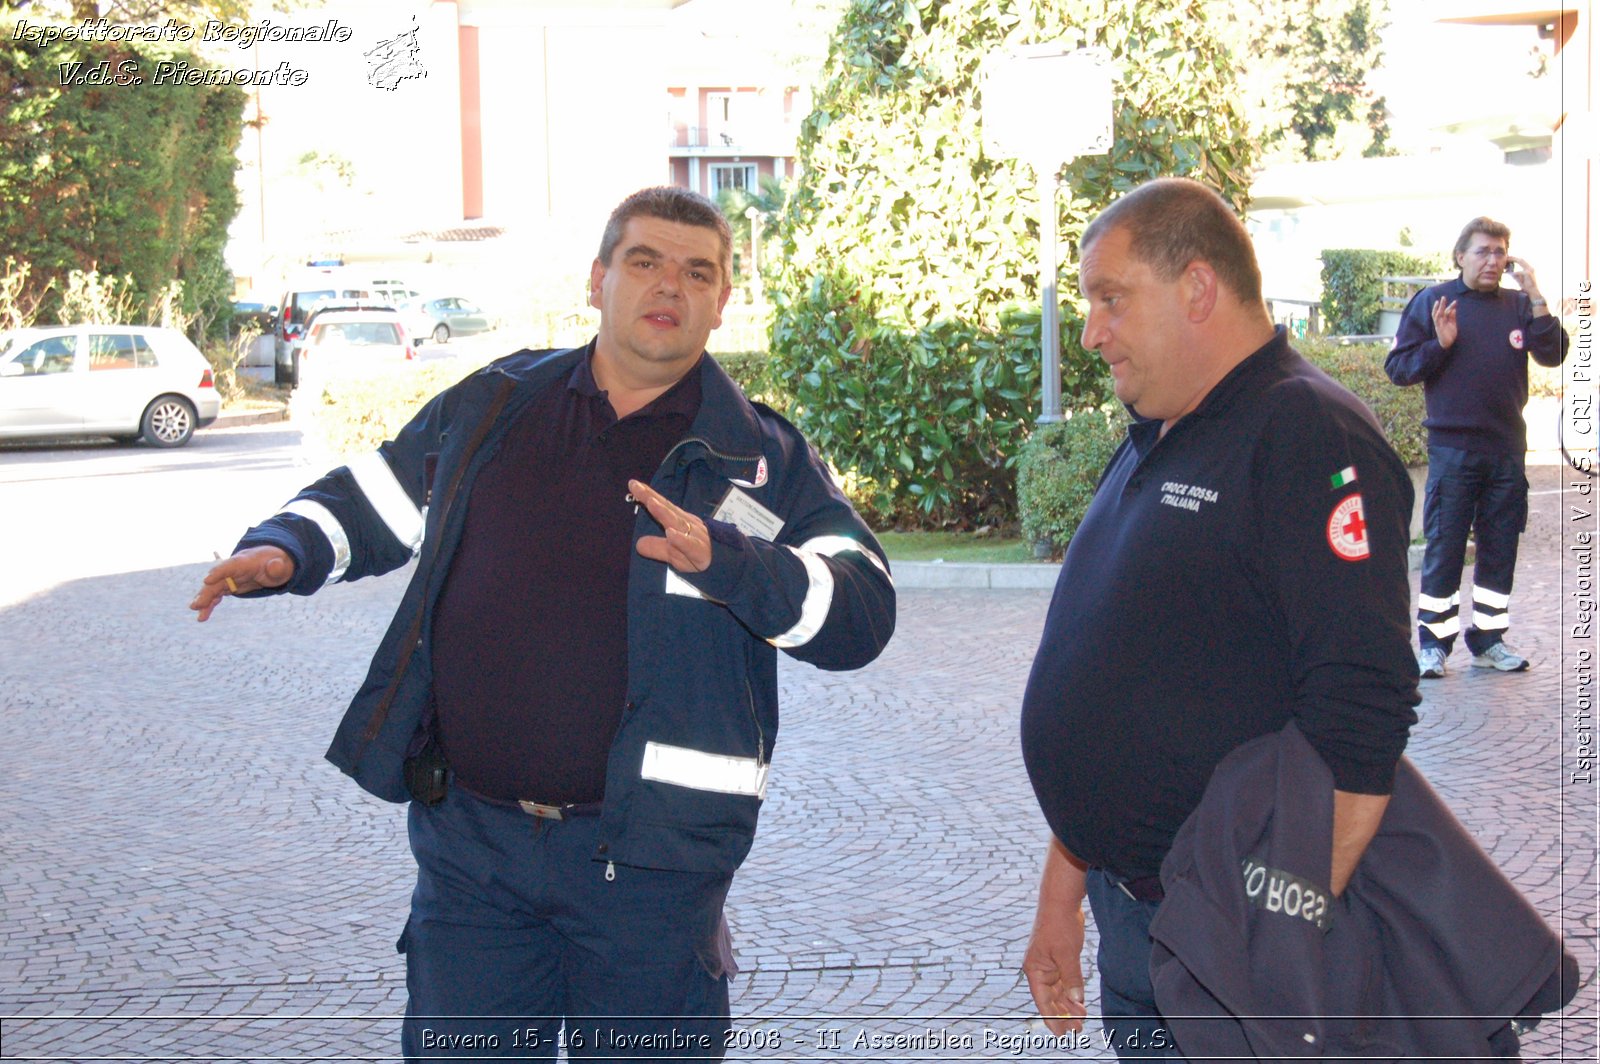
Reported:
(520, 941)
(1128, 1010)
(1468, 490)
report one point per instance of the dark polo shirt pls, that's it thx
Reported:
(530, 640)
(1246, 569)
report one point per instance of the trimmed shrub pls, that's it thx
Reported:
(1352, 291)
(1059, 469)
(1359, 367)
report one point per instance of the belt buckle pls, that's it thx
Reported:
(544, 812)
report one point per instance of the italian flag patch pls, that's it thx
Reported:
(1347, 475)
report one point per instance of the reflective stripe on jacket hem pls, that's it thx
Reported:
(698, 770)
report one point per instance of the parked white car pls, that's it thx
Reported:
(343, 342)
(124, 381)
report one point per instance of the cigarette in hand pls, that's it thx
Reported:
(233, 588)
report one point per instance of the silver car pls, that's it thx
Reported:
(125, 381)
(444, 317)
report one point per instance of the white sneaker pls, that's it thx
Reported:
(1430, 663)
(1499, 656)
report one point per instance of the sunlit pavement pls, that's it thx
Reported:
(185, 878)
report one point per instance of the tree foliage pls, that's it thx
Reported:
(126, 179)
(1352, 284)
(907, 290)
(1304, 66)
(768, 201)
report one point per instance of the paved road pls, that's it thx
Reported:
(185, 878)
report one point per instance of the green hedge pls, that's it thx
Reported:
(754, 372)
(1060, 467)
(1359, 367)
(1352, 289)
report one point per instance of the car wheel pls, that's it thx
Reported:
(441, 334)
(168, 422)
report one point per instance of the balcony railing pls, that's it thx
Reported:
(744, 135)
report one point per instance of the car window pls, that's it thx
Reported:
(119, 351)
(356, 332)
(301, 302)
(53, 354)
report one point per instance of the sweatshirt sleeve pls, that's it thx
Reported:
(1334, 519)
(1548, 342)
(1416, 355)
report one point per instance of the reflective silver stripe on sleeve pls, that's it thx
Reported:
(376, 481)
(323, 518)
(677, 585)
(1490, 622)
(1438, 605)
(1494, 600)
(814, 608)
(1442, 629)
(819, 596)
(833, 546)
(698, 770)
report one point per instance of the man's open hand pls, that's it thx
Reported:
(687, 543)
(251, 569)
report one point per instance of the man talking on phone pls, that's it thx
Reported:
(1467, 342)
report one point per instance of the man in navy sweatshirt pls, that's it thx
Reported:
(1242, 565)
(1467, 342)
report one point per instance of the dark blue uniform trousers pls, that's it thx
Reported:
(520, 941)
(1128, 1012)
(1467, 490)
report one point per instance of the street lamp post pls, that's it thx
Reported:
(754, 214)
(1020, 85)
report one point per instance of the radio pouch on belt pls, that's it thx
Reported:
(427, 773)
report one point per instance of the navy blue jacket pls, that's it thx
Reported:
(688, 768)
(1430, 953)
(1475, 390)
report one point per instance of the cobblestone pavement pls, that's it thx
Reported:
(184, 878)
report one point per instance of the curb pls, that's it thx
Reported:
(259, 417)
(998, 576)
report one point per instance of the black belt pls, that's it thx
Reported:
(542, 810)
(1146, 889)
